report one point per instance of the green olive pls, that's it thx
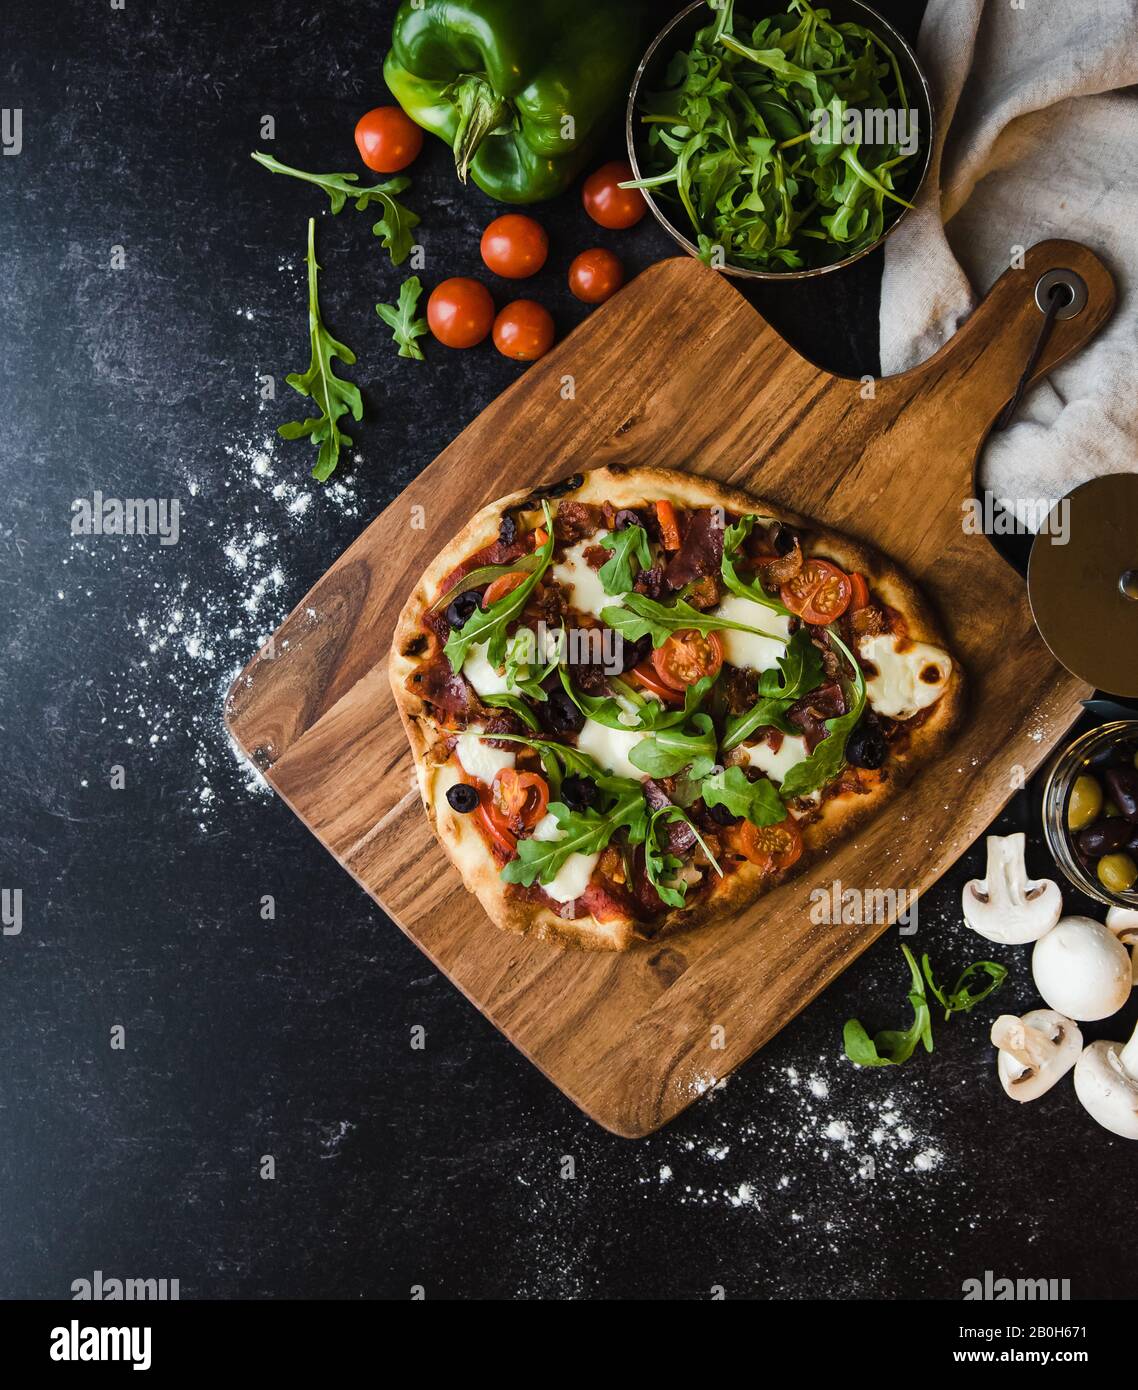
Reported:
(1085, 803)
(1109, 808)
(1117, 872)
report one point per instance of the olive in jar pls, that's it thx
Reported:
(1117, 872)
(1085, 805)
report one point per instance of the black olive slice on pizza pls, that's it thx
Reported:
(638, 700)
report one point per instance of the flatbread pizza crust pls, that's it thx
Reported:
(839, 816)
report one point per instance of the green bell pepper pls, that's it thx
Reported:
(520, 88)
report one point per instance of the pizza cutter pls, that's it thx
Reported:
(1082, 583)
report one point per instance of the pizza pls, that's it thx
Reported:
(638, 699)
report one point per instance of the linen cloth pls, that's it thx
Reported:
(1037, 137)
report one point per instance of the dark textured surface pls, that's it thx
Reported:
(142, 906)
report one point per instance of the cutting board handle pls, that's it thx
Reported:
(984, 360)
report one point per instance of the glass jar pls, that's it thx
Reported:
(1090, 753)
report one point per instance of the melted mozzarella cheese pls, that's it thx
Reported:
(907, 680)
(572, 878)
(464, 842)
(744, 648)
(481, 675)
(478, 758)
(587, 593)
(610, 747)
(792, 750)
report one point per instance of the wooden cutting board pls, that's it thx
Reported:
(679, 370)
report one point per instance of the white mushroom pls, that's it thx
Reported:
(1106, 1082)
(1034, 1051)
(1005, 905)
(1082, 969)
(1123, 922)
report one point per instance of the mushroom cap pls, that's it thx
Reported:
(1123, 922)
(1048, 1046)
(1082, 970)
(1106, 1090)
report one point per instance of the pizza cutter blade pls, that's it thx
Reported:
(1082, 583)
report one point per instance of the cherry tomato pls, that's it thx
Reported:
(647, 676)
(818, 593)
(772, 847)
(860, 595)
(686, 657)
(388, 139)
(524, 330)
(596, 275)
(607, 203)
(515, 246)
(518, 799)
(494, 826)
(460, 312)
(500, 587)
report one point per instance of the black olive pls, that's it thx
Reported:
(866, 747)
(625, 518)
(1122, 785)
(1104, 837)
(722, 816)
(462, 797)
(460, 610)
(783, 539)
(631, 653)
(578, 793)
(561, 715)
(508, 528)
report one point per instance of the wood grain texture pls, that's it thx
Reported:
(679, 371)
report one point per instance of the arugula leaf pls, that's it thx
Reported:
(733, 539)
(616, 575)
(402, 321)
(559, 760)
(758, 801)
(582, 832)
(669, 750)
(962, 1000)
(658, 861)
(397, 221)
(485, 574)
(627, 710)
(519, 707)
(519, 652)
(800, 671)
(892, 1047)
(332, 395)
(829, 757)
(639, 616)
(489, 624)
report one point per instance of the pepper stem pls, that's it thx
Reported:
(481, 110)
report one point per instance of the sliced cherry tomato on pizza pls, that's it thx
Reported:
(687, 657)
(500, 587)
(647, 676)
(819, 593)
(772, 847)
(499, 833)
(669, 526)
(518, 799)
(860, 595)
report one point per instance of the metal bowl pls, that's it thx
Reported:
(679, 34)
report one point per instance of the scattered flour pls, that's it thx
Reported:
(212, 600)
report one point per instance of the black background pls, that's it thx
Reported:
(395, 1167)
